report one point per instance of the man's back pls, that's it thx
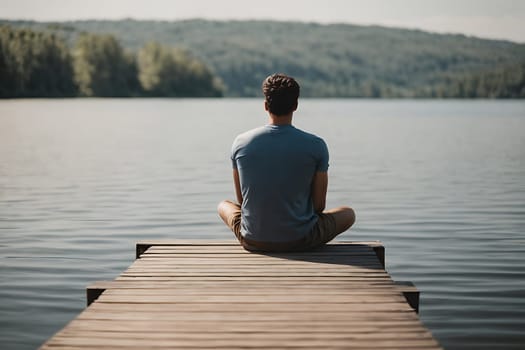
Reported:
(276, 165)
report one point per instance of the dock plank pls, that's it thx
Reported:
(200, 295)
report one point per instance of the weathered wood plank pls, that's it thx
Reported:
(293, 342)
(226, 246)
(324, 262)
(364, 304)
(247, 286)
(366, 293)
(156, 326)
(294, 279)
(213, 335)
(208, 316)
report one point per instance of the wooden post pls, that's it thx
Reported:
(380, 253)
(140, 249)
(410, 292)
(93, 291)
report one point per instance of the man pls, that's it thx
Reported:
(280, 177)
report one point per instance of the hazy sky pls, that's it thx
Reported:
(503, 19)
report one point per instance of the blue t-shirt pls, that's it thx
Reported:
(276, 165)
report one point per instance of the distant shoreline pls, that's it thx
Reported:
(329, 60)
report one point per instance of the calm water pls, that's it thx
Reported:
(441, 183)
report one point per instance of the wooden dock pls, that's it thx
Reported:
(215, 295)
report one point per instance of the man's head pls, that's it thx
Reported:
(281, 93)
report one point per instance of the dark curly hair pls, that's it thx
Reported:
(281, 93)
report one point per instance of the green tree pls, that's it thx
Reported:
(103, 68)
(503, 82)
(165, 71)
(34, 64)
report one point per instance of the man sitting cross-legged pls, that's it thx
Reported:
(280, 177)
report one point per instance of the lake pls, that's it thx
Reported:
(441, 183)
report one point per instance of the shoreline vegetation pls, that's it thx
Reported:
(198, 58)
(40, 64)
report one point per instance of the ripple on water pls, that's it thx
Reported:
(439, 182)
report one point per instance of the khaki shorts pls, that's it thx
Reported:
(323, 232)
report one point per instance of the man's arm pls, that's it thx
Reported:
(237, 183)
(319, 188)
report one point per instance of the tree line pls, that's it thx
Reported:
(331, 60)
(502, 82)
(41, 64)
(336, 60)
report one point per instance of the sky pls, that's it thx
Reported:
(493, 19)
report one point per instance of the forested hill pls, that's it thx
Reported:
(329, 60)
